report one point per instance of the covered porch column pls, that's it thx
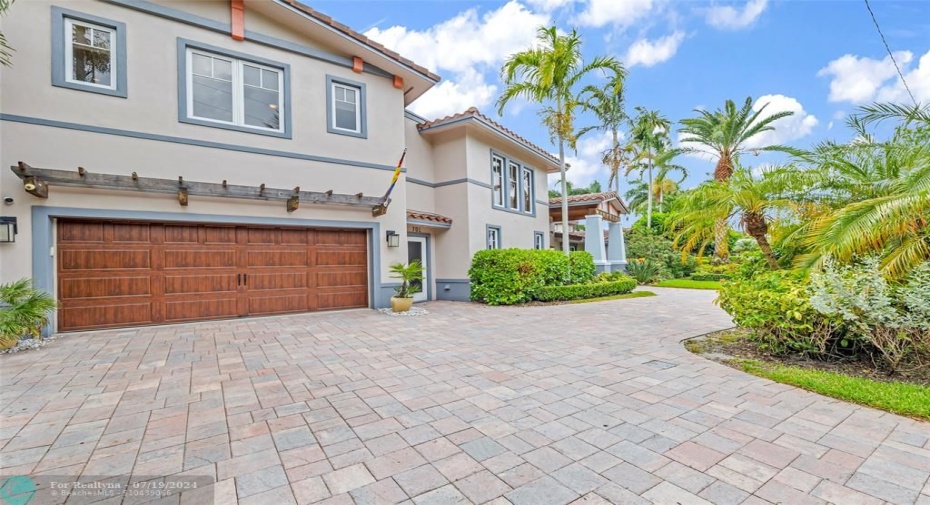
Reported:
(594, 242)
(616, 247)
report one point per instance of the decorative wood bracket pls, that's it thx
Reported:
(37, 180)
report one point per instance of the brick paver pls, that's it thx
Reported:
(590, 403)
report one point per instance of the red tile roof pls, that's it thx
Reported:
(428, 216)
(587, 197)
(473, 113)
(323, 18)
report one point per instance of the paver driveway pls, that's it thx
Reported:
(595, 402)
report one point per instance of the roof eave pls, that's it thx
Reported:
(550, 165)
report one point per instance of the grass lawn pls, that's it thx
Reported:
(688, 284)
(906, 399)
(634, 294)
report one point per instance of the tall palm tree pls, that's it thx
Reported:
(548, 74)
(725, 133)
(664, 165)
(649, 136)
(753, 199)
(6, 52)
(607, 104)
(637, 195)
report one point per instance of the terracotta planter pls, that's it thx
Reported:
(401, 304)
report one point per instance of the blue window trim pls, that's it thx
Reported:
(362, 99)
(59, 78)
(539, 234)
(430, 291)
(183, 117)
(500, 236)
(506, 181)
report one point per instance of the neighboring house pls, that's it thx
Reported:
(606, 246)
(174, 155)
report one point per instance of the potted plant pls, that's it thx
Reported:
(408, 274)
(23, 311)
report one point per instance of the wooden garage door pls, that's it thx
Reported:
(115, 274)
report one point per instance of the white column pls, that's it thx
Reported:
(616, 246)
(594, 241)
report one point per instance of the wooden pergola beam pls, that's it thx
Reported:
(83, 178)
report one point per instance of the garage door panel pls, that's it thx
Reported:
(115, 274)
(104, 287)
(192, 310)
(191, 284)
(200, 258)
(105, 259)
(106, 316)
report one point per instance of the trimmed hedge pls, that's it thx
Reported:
(709, 277)
(590, 290)
(509, 276)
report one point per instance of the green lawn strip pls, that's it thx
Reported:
(688, 284)
(898, 397)
(634, 294)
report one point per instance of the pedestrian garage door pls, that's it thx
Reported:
(117, 274)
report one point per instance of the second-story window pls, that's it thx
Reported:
(497, 180)
(90, 58)
(527, 188)
(512, 183)
(345, 108)
(232, 91)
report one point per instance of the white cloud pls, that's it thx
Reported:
(787, 129)
(728, 17)
(619, 13)
(468, 46)
(651, 52)
(861, 79)
(586, 165)
(549, 5)
(448, 97)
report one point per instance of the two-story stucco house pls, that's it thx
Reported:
(170, 161)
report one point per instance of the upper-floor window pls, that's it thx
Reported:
(497, 179)
(494, 237)
(511, 185)
(345, 107)
(231, 90)
(88, 53)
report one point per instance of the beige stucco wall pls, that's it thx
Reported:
(419, 164)
(152, 108)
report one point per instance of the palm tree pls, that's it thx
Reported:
(754, 199)
(607, 104)
(637, 195)
(725, 133)
(879, 193)
(649, 136)
(6, 52)
(548, 74)
(663, 184)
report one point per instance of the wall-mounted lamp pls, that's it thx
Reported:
(7, 230)
(393, 239)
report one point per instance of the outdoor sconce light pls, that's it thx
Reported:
(7, 230)
(29, 183)
(393, 239)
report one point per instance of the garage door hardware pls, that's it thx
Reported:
(37, 180)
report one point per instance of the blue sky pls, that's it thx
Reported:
(820, 59)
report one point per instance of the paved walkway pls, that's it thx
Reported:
(591, 403)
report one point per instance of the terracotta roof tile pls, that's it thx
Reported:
(323, 18)
(587, 197)
(473, 112)
(428, 216)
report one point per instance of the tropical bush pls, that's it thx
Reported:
(625, 284)
(23, 311)
(408, 274)
(509, 276)
(661, 251)
(645, 271)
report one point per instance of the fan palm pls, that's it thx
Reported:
(726, 134)
(548, 74)
(750, 198)
(607, 104)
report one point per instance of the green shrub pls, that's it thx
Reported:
(24, 310)
(661, 250)
(709, 277)
(610, 276)
(776, 305)
(590, 290)
(644, 271)
(581, 267)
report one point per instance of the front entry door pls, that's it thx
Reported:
(416, 250)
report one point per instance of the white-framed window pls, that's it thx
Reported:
(494, 237)
(526, 187)
(90, 54)
(497, 179)
(232, 91)
(513, 183)
(346, 108)
(539, 240)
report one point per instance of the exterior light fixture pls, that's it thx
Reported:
(29, 183)
(7, 230)
(393, 239)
